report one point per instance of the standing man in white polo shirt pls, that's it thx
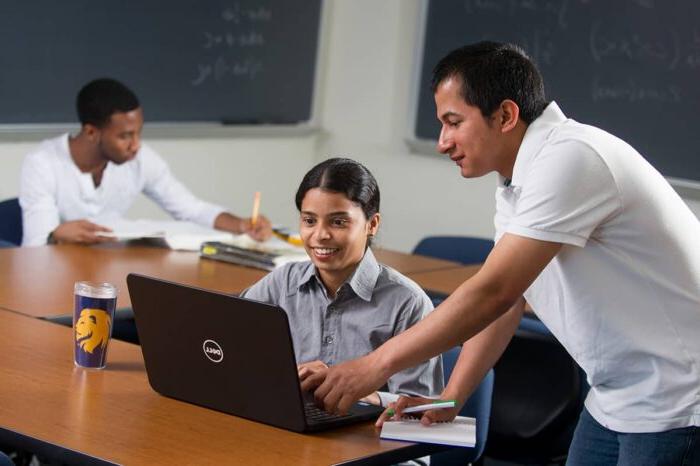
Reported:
(597, 242)
(70, 181)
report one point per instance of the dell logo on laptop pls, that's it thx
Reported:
(213, 351)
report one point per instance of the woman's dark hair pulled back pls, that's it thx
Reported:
(345, 176)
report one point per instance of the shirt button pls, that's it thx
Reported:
(328, 340)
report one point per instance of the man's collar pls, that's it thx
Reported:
(535, 135)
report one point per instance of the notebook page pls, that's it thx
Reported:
(461, 432)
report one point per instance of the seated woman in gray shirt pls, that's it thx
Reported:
(343, 303)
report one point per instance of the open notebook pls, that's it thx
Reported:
(212, 244)
(461, 432)
(185, 236)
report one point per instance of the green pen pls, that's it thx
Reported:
(437, 404)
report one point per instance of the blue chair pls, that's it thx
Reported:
(5, 460)
(463, 249)
(10, 223)
(477, 406)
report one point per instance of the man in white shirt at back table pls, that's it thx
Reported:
(69, 180)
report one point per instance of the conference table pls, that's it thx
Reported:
(113, 416)
(39, 281)
(444, 280)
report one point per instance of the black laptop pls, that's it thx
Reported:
(226, 353)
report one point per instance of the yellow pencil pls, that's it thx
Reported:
(256, 208)
(291, 239)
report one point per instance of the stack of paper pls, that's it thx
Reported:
(243, 250)
(461, 432)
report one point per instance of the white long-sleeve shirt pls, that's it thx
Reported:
(54, 190)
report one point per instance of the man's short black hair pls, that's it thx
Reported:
(98, 100)
(492, 72)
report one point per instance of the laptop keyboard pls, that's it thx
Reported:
(315, 415)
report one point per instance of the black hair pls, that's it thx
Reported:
(345, 176)
(98, 100)
(492, 72)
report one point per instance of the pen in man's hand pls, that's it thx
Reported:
(438, 404)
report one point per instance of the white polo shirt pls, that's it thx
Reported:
(623, 294)
(54, 190)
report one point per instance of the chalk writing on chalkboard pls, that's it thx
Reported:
(631, 67)
(251, 61)
(224, 49)
(609, 41)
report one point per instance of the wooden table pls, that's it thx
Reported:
(39, 281)
(411, 263)
(113, 416)
(445, 280)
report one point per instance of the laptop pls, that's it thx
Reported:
(226, 353)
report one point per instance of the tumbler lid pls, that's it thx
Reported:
(95, 289)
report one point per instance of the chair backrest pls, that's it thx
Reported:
(537, 400)
(11, 221)
(477, 406)
(5, 460)
(464, 249)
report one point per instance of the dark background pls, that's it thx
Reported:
(242, 61)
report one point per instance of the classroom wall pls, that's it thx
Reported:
(365, 115)
(367, 67)
(229, 171)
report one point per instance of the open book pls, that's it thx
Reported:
(185, 236)
(461, 432)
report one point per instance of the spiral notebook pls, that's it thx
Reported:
(461, 432)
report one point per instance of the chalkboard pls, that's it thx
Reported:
(242, 61)
(631, 67)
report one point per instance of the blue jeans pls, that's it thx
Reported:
(594, 445)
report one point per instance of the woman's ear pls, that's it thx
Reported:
(373, 224)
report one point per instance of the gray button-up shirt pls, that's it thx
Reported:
(373, 305)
